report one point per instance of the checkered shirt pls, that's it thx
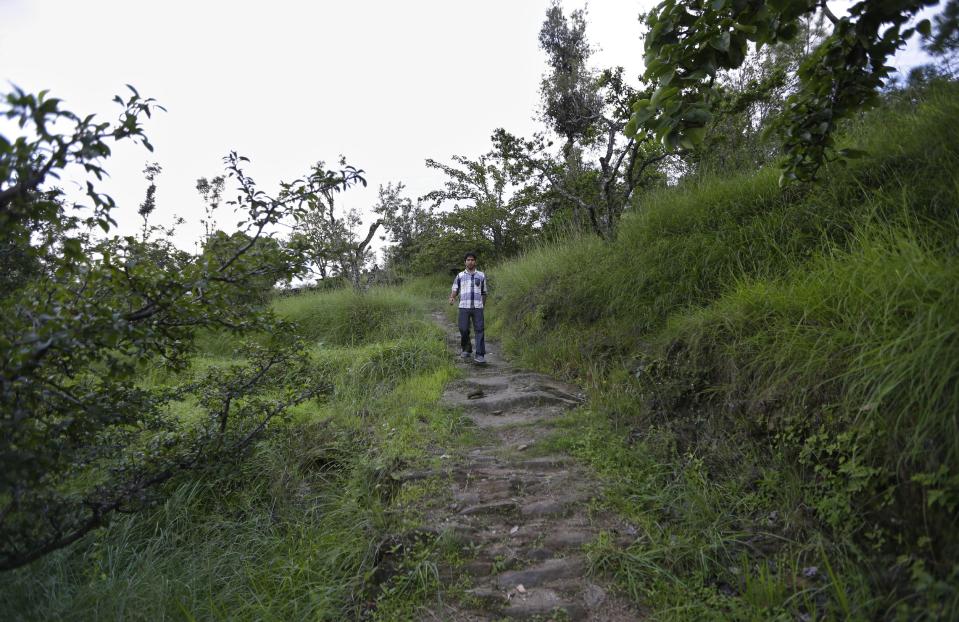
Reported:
(471, 289)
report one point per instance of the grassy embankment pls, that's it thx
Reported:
(309, 525)
(774, 380)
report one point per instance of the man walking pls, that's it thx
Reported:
(470, 285)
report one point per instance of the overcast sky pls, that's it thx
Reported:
(385, 83)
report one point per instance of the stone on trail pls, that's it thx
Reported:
(540, 604)
(553, 506)
(550, 570)
(496, 507)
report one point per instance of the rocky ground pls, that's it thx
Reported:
(523, 516)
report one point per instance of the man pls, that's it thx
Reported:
(470, 285)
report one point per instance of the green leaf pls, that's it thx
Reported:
(641, 105)
(720, 42)
(698, 114)
(663, 93)
(662, 131)
(788, 31)
(696, 134)
(786, 176)
(72, 248)
(925, 28)
(653, 65)
(641, 117)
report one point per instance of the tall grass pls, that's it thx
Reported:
(296, 528)
(344, 317)
(795, 350)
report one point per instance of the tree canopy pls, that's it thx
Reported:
(690, 41)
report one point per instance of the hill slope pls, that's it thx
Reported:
(773, 378)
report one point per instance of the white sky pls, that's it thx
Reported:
(385, 83)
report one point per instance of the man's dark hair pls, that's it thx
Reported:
(468, 255)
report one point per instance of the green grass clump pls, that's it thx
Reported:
(279, 535)
(774, 379)
(683, 247)
(344, 317)
(850, 370)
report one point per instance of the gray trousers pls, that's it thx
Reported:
(476, 315)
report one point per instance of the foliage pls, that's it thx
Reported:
(741, 134)
(690, 41)
(269, 264)
(571, 103)
(589, 110)
(328, 239)
(211, 190)
(82, 439)
(495, 212)
(150, 172)
(492, 201)
(426, 241)
(408, 225)
(943, 42)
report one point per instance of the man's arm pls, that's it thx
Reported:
(456, 289)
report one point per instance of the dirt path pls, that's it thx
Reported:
(525, 517)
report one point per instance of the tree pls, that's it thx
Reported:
(943, 42)
(330, 239)
(689, 41)
(492, 201)
(749, 100)
(81, 436)
(270, 263)
(150, 172)
(424, 241)
(408, 225)
(571, 102)
(597, 171)
(211, 190)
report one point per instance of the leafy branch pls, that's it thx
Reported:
(689, 41)
(82, 436)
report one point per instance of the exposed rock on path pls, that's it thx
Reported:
(525, 516)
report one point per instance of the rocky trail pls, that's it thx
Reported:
(522, 515)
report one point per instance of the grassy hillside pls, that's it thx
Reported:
(773, 378)
(309, 524)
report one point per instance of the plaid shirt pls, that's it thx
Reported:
(471, 289)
